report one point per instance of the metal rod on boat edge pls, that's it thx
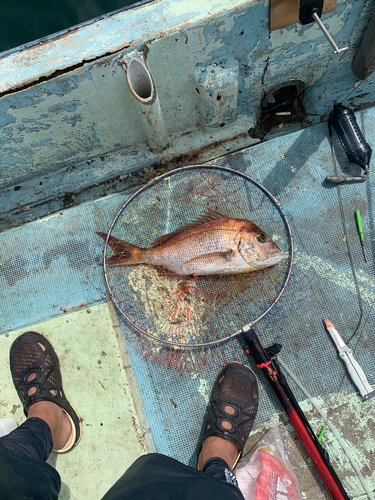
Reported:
(318, 21)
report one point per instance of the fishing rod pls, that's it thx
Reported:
(266, 361)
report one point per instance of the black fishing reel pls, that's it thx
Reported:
(358, 151)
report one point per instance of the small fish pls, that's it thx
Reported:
(213, 244)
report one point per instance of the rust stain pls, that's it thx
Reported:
(74, 308)
(174, 404)
(139, 434)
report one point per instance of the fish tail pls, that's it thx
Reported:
(124, 253)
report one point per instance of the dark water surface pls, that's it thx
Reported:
(23, 21)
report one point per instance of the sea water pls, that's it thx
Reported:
(22, 21)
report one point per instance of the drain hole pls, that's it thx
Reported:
(139, 80)
(281, 105)
(284, 95)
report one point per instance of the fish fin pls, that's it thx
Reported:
(208, 216)
(124, 253)
(119, 259)
(116, 244)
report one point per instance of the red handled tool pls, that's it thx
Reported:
(266, 361)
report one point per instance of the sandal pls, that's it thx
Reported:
(234, 403)
(27, 358)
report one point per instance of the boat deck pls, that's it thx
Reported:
(133, 401)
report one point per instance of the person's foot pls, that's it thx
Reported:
(56, 418)
(233, 407)
(216, 446)
(37, 378)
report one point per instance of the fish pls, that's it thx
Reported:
(212, 244)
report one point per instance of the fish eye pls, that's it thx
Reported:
(261, 237)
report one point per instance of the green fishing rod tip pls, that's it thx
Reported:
(319, 439)
(359, 224)
(321, 434)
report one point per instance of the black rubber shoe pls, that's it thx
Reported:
(27, 358)
(235, 388)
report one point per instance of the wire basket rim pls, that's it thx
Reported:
(154, 181)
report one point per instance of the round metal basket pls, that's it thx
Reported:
(188, 311)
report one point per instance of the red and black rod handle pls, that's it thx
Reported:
(275, 377)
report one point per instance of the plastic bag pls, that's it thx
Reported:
(266, 473)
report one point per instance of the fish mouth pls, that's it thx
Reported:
(265, 260)
(275, 257)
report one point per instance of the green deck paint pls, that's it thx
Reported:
(96, 383)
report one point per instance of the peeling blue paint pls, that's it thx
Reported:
(41, 143)
(72, 119)
(70, 106)
(208, 31)
(83, 180)
(62, 87)
(210, 112)
(5, 118)
(49, 133)
(14, 160)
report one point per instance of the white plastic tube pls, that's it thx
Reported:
(147, 104)
(140, 81)
(333, 429)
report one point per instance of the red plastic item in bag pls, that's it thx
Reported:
(275, 482)
(266, 473)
